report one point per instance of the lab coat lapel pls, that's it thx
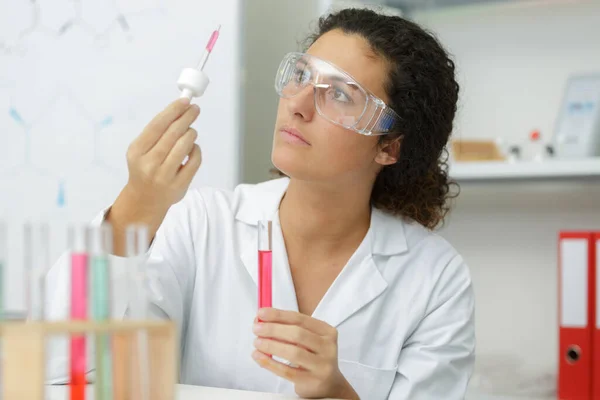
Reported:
(359, 283)
(284, 291)
(249, 254)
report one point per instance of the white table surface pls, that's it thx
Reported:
(187, 392)
(184, 392)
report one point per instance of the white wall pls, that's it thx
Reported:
(272, 28)
(513, 62)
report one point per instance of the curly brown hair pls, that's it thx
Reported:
(423, 91)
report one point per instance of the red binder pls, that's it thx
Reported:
(576, 295)
(596, 320)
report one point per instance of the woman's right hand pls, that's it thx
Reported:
(157, 178)
(155, 157)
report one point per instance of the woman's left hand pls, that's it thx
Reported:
(308, 344)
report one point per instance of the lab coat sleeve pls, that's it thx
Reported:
(170, 264)
(437, 360)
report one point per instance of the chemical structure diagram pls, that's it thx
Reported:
(55, 18)
(85, 142)
(62, 136)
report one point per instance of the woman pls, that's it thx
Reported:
(367, 300)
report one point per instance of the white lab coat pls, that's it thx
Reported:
(403, 305)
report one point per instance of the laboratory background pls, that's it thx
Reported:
(79, 79)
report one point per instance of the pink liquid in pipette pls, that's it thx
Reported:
(265, 278)
(79, 262)
(213, 39)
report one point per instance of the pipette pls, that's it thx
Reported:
(136, 245)
(100, 247)
(193, 81)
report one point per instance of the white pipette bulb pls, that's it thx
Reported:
(193, 81)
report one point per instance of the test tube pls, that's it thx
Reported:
(136, 245)
(3, 262)
(37, 259)
(100, 247)
(265, 269)
(79, 267)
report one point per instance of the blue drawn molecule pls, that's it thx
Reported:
(61, 198)
(14, 114)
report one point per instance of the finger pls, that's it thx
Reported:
(290, 334)
(294, 354)
(159, 124)
(295, 318)
(186, 172)
(173, 134)
(285, 371)
(182, 148)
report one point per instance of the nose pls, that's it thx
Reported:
(303, 103)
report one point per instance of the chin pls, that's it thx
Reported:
(294, 165)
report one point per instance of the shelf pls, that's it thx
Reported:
(525, 170)
(412, 6)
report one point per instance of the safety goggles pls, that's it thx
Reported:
(338, 97)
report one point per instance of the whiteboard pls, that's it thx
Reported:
(79, 79)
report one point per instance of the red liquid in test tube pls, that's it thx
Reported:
(265, 274)
(265, 265)
(79, 266)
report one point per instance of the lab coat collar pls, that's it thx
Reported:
(388, 234)
(359, 283)
(262, 202)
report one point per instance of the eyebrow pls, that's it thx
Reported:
(354, 85)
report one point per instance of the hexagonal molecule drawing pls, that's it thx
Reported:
(96, 18)
(53, 136)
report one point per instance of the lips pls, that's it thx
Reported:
(293, 133)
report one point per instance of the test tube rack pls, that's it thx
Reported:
(24, 361)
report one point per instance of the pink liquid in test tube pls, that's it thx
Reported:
(265, 279)
(79, 267)
(265, 265)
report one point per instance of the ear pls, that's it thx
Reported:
(389, 152)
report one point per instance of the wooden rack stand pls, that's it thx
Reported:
(24, 361)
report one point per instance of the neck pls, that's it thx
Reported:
(325, 216)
